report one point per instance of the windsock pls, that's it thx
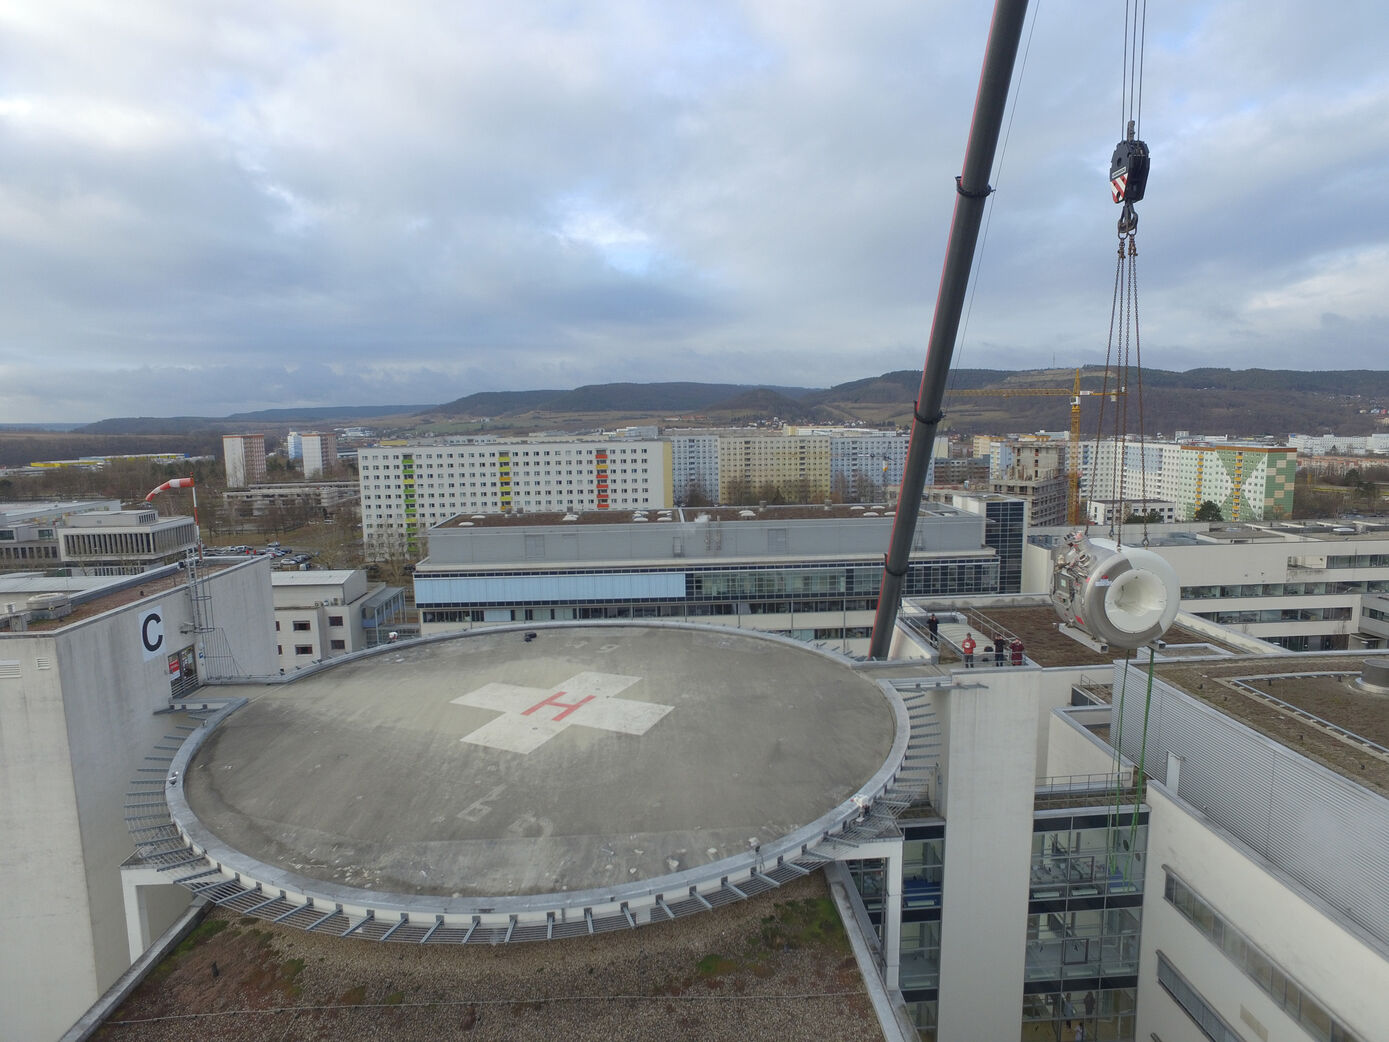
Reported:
(171, 483)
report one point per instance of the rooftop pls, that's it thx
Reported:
(325, 577)
(1037, 626)
(1310, 703)
(93, 595)
(488, 766)
(804, 512)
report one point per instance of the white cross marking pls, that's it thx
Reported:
(531, 716)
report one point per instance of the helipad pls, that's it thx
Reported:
(494, 775)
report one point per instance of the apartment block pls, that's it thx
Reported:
(1249, 482)
(798, 467)
(244, 456)
(319, 453)
(406, 489)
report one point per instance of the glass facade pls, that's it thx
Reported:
(620, 593)
(923, 869)
(1005, 532)
(923, 866)
(1083, 922)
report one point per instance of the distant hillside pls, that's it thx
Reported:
(1208, 401)
(494, 403)
(765, 403)
(328, 412)
(608, 398)
(19, 449)
(240, 421)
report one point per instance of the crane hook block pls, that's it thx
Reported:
(1128, 170)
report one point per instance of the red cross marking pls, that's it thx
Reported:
(568, 707)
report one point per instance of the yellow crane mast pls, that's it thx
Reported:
(1074, 514)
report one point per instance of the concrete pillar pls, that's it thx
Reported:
(990, 777)
(152, 903)
(892, 918)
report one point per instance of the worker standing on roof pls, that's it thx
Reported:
(1016, 649)
(967, 649)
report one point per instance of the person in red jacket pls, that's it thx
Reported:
(967, 647)
(1016, 649)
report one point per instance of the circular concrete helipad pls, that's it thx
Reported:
(487, 767)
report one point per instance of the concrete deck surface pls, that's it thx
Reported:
(466, 767)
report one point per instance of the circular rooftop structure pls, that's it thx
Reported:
(507, 777)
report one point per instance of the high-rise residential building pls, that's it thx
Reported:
(1248, 482)
(409, 488)
(797, 467)
(319, 453)
(244, 455)
(694, 467)
(294, 445)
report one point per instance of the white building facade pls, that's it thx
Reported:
(406, 489)
(325, 614)
(78, 698)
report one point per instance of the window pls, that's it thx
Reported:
(338, 645)
(303, 649)
(277, 625)
(334, 620)
(301, 626)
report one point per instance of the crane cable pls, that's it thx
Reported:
(1128, 176)
(1124, 358)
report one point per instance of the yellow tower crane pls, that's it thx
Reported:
(1074, 514)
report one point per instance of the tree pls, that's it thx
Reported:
(1208, 511)
(1150, 517)
(695, 496)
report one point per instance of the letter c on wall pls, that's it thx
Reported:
(152, 633)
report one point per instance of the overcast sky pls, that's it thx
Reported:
(210, 207)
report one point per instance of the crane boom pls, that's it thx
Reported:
(971, 189)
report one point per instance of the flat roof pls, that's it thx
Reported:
(326, 577)
(625, 515)
(486, 766)
(1037, 626)
(108, 592)
(1308, 702)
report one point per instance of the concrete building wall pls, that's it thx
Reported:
(48, 972)
(1305, 939)
(330, 609)
(988, 797)
(76, 720)
(939, 531)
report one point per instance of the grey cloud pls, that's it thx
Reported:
(442, 198)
